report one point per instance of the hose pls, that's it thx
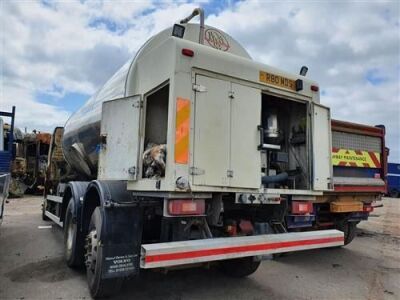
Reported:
(274, 178)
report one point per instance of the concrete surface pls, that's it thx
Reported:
(32, 267)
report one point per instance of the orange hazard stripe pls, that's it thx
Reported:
(182, 130)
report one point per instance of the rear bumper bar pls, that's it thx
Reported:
(197, 251)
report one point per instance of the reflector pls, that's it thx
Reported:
(186, 207)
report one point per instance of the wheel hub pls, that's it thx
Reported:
(91, 244)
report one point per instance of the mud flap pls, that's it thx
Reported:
(121, 241)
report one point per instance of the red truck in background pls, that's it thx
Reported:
(359, 163)
(359, 158)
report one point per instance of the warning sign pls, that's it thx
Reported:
(355, 158)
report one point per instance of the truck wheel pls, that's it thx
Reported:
(73, 238)
(349, 230)
(394, 193)
(44, 217)
(240, 267)
(98, 286)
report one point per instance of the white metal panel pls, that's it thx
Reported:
(211, 138)
(120, 125)
(197, 251)
(321, 141)
(236, 67)
(245, 117)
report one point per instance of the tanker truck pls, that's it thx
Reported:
(192, 154)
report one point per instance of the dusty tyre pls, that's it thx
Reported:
(240, 267)
(349, 230)
(73, 238)
(44, 217)
(99, 287)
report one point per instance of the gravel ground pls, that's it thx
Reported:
(32, 267)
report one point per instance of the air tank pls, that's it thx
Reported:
(81, 140)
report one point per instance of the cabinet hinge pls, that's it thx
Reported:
(132, 171)
(138, 104)
(199, 88)
(196, 171)
(229, 173)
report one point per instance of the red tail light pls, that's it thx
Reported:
(187, 52)
(302, 207)
(315, 88)
(180, 207)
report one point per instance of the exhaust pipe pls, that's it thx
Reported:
(197, 11)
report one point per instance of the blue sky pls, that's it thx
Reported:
(69, 101)
(55, 55)
(375, 77)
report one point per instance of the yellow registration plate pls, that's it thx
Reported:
(277, 80)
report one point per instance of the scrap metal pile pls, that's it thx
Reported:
(28, 169)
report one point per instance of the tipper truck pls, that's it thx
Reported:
(192, 154)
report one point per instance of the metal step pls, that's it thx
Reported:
(197, 251)
(53, 198)
(54, 218)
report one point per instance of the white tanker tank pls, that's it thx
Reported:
(81, 140)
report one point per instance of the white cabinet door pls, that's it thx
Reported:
(244, 156)
(321, 144)
(211, 137)
(118, 157)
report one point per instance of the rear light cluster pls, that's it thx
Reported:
(368, 208)
(186, 207)
(302, 207)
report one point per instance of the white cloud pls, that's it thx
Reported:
(55, 48)
(34, 114)
(64, 47)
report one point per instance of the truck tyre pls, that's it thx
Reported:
(240, 267)
(349, 230)
(98, 286)
(73, 238)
